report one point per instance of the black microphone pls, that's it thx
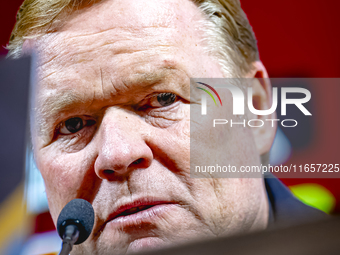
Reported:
(75, 223)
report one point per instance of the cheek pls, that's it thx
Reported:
(228, 205)
(224, 145)
(63, 175)
(173, 144)
(184, 127)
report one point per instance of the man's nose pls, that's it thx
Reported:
(121, 146)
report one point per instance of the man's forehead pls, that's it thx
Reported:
(127, 15)
(122, 27)
(132, 13)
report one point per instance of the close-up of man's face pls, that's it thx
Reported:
(112, 126)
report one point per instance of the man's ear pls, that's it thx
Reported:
(262, 100)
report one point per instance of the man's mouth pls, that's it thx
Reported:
(139, 212)
(134, 210)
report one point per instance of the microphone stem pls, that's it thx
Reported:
(71, 236)
(66, 247)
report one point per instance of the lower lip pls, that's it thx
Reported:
(145, 244)
(149, 215)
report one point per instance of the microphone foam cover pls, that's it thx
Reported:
(77, 212)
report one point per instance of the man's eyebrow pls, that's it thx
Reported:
(61, 101)
(150, 78)
(51, 106)
(66, 100)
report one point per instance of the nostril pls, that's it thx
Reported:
(138, 161)
(108, 172)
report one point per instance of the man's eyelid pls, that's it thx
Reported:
(155, 95)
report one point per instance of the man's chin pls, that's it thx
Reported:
(145, 244)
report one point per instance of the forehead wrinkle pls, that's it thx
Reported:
(65, 48)
(106, 12)
(64, 51)
(168, 70)
(102, 32)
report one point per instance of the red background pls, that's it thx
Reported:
(296, 38)
(300, 38)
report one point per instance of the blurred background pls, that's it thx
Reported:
(296, 38)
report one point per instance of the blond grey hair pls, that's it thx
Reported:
(229, 36)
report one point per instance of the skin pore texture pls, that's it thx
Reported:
(102, 132)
